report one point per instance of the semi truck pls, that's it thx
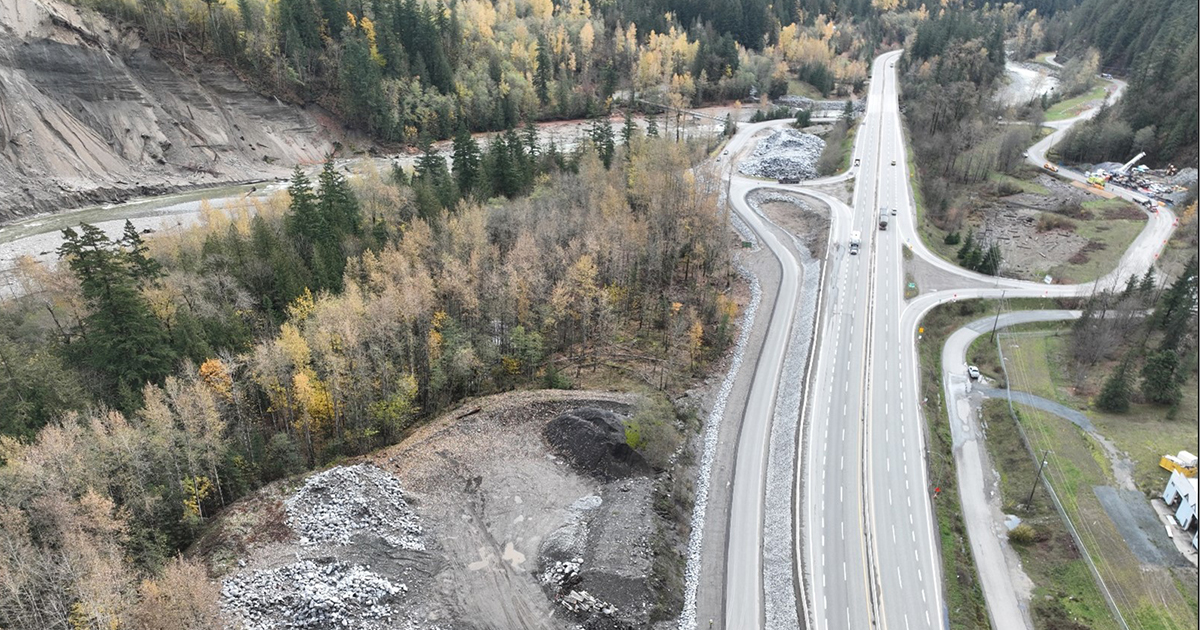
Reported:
(883, 220)
(855, 239)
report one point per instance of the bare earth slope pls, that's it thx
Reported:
(88, 114)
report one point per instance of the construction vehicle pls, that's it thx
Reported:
(1050, 167)
(883, 220)
(1184, 462)
(1096, 180)
(855, 239)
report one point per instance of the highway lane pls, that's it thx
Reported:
(836, 549)
(865, 458)
(743, 581)
(907, 566)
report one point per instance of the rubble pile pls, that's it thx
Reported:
(785, 153)
(570, 539)
(584, 603)
(338, 503)
(311, 595)
(562, 578)
(562, 575)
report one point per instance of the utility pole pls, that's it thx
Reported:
(1036, 478)
(999, 307)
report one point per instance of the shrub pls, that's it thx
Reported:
(1022, 534)
(952, 238)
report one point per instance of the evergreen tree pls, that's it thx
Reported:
(602, 137)
(967, 245)
(529, 138)
(121, 340)
(1175, 308)
(1159, 384)
(144, 267)
(361, 78)
(1114, 396)
(336, 202)
(466, 161)
(652, 128)
(303, 220)
(543, 75)
(991, 261)
(628, 132)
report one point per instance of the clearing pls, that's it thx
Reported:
(1089, 477)
(1075, 106)
(525, 509)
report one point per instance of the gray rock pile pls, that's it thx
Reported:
(338, 503)
(311, 595)
(570, 539)
(785, 153)
(562, 578)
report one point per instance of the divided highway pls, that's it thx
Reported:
(865, 536)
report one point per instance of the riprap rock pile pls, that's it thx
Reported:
(338, 503)
(785, 153)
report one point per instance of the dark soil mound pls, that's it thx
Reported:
(593, 440)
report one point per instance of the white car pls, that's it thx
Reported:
(973, 372)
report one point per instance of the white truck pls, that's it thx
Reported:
(855, 239)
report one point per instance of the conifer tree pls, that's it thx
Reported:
(1114, 396)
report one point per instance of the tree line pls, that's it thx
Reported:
(1154, 355)
(148, 382)
(413, 70)
(1151, 45)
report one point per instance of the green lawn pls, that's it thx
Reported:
(1148, 596)
(1072, 107)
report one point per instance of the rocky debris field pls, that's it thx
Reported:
(352, 548)
(311, 595)
(785, 153)
(520, 510)
(338, 503)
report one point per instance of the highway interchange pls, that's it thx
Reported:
(864, 533)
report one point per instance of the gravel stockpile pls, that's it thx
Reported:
(785, 153)
(691, 575)
(338, 503)
(593, 440)
(311, 595)
(778, 551)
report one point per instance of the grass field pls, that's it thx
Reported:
(1063, 586)
(1149, 597)
(800, 88)
(1113, 226)
(1072, 107)
(1025, 185)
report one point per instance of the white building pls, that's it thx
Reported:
(1181, 495)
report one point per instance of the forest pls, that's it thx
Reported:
(413, 70)
(1152, 46)
(147, 382)
(947, 78)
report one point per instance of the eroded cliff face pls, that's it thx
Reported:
(88, 114)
